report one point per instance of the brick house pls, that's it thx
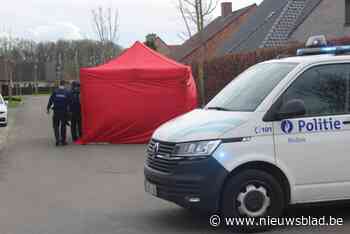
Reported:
(331, 18)
(213, 36)
(164, 48)
(279, 23)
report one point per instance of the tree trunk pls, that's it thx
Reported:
(201, 69)
(201, 82)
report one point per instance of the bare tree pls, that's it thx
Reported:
(196, 14)
(188, 33)
(106, 23)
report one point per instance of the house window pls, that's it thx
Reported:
(347, 12)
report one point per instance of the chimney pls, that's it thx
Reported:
(226, 8)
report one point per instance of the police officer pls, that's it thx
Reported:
(76, 111)
(59, 102)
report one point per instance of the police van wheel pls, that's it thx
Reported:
(252, 194)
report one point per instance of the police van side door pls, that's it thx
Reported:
(315, 147)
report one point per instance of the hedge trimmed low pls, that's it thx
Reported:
(14, 98)
(218, 72)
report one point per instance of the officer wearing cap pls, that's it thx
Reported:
(59, 101)
(76, 111)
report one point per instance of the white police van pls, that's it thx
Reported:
(279, 134)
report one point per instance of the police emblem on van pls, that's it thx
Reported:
(155, 149)
(287, 126)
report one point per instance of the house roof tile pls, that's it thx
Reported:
(271, 25)
(216, 26)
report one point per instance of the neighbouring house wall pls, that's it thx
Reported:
(5, 68)
(2, 70)
(25, 72)
(6, 72)
(212, 45)
(2, 74)
(328, 19)
(50, 71)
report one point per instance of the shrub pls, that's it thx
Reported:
(14, 98)
(218, 72)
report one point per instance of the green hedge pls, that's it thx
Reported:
(218, 72)
(14, 98)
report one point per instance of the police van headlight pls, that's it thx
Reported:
(194, 149)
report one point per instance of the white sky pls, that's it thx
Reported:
(44, 20)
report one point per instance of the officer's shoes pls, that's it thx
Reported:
(61, 143)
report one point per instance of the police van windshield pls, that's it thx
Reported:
(250, 88)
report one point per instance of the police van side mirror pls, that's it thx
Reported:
(292, 109)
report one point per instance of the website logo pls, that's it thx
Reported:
(287, 126)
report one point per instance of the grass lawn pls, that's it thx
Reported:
(13, 104)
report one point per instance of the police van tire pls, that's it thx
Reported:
(262, 196)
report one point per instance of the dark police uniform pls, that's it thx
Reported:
(60, 100)
(76, 111)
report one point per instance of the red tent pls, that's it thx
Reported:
(125, 100)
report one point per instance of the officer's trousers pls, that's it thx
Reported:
(76, 126)
(59, 121)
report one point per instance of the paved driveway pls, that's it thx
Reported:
(91, 189)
